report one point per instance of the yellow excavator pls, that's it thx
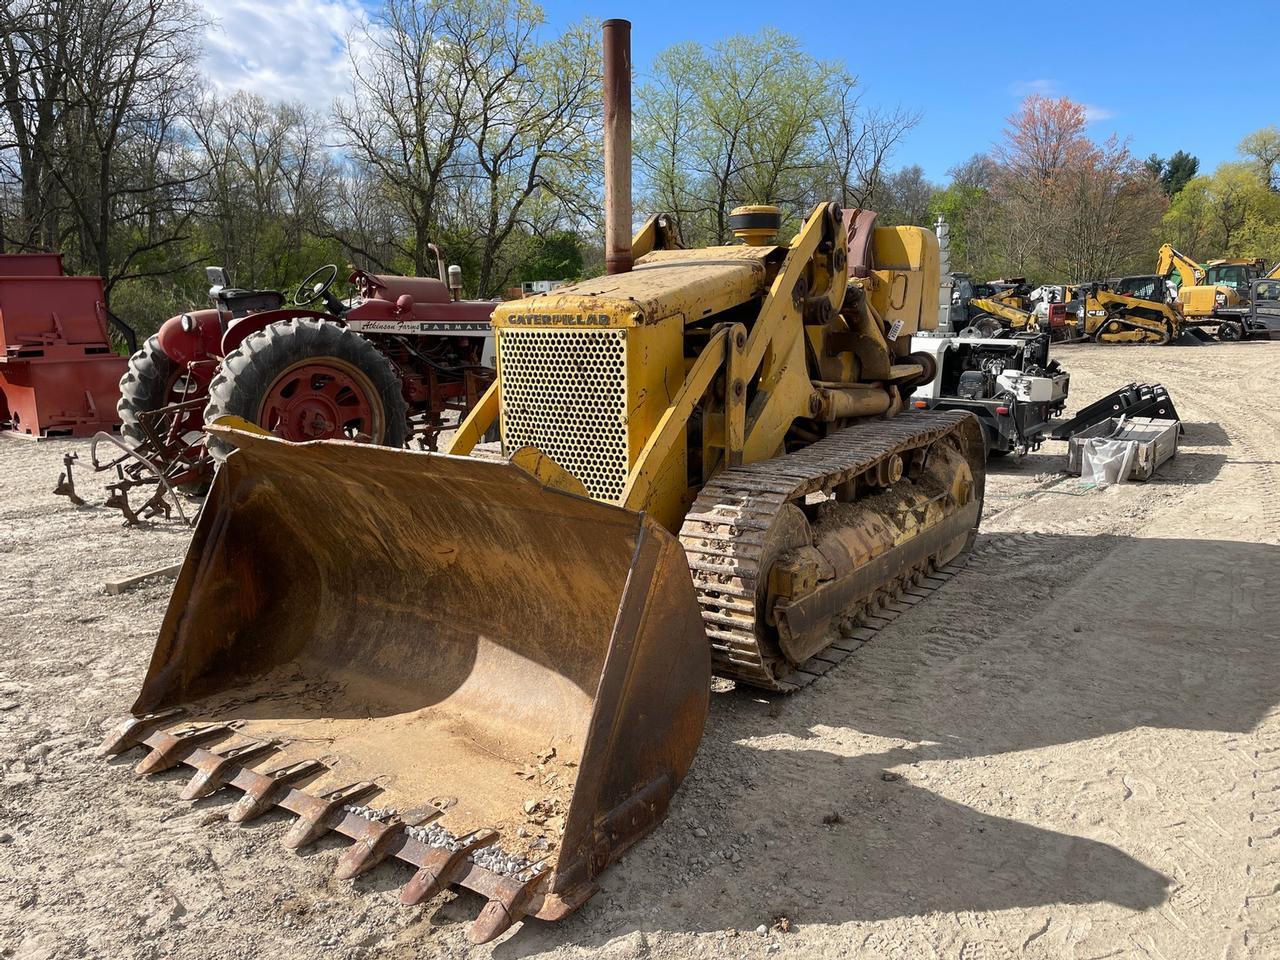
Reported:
(496, 670)
(1011, 309)
(1205, 290)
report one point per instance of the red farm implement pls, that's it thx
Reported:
(59, 375)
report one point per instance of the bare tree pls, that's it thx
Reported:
(1110, 205)
(270, 182)
(33, 38)
(903, 197)
(407, 117)
(748, 119)
(666, 121)
(858, 143)
(97, 93)
(464, 119)
(533, 133)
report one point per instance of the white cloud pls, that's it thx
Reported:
(281, 49)
(1045, 87)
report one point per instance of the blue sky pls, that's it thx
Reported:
(1175, 76)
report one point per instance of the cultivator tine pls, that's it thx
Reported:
(217, 769)
(134, 730)
(66, 482)
(505, 907)
(323, 813)
(118, 498)
(170, 749)
(380, 839)
(265, 789)
(442, 865)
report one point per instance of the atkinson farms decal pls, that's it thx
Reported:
(416, 327)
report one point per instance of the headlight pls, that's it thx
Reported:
(188, 323)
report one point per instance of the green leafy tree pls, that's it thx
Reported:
(1173, 173)
(1231, 213)
(1262, 150)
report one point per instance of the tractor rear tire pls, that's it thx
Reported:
(149, 383)
(252, 373)
(144, 387)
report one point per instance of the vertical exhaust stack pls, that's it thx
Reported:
(617, 146)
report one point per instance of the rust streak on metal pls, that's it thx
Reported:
(508, 906)
(215, 771)
(378, 841)
(173, 748)
(133, 731)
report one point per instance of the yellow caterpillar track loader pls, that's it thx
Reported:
(1131, 310)
(497, 671)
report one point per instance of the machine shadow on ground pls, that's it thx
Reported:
(1203, 434)
(827, 778)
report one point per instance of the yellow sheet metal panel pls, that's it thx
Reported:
(655, 373)
(1198, 301)
(907, 266)
(696, 283)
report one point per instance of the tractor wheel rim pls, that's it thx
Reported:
(323, 399)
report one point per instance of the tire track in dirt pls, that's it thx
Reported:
(1239, 412)
(1252, 400)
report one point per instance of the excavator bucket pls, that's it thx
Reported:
(495, 682)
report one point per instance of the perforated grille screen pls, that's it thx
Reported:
(565, 392)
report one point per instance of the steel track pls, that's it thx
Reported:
(725, 535)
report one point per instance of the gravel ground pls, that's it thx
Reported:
(1071, 750)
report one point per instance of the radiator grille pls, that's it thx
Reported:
(565, 392)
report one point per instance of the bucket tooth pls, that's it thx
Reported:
(378, 840)
(441, 864)
(216, 769)
(506, 907)
(267, 788)
(131, 732)
(170, 749)
(321, 814)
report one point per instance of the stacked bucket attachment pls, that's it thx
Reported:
(494, 682)
(1150, 400)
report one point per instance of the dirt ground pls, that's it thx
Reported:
(1071, 750)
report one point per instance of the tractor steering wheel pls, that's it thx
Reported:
(309, 292)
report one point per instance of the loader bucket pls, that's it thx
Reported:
(498, 683)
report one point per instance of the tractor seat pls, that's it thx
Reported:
(239, 303)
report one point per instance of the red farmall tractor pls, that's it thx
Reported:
(384, 367)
